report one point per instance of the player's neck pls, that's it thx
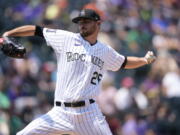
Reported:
(92, 39)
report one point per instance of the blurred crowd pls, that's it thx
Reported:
(143, 101)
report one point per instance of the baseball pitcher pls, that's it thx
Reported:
(81, 62)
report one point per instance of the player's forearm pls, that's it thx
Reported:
(27, 30)
(135, 62)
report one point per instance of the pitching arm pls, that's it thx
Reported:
(27, 30)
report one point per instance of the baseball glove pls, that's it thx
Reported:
(10, 47)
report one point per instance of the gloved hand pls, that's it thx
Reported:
(10, 47)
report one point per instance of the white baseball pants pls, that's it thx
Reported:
(87, 120)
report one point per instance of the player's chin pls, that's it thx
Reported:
(84, 34)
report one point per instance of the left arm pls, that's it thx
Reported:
(135, 62)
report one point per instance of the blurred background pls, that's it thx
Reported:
(143, 101)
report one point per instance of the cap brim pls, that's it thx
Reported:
(77, 19)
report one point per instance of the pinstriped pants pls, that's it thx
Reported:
(86, 120)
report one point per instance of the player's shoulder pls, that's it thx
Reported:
(51, 31)
(105, 46)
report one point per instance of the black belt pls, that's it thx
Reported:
(74, 104)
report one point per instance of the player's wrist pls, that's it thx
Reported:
(6, 34)
(146, 61)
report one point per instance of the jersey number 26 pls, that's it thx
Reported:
(96, 78)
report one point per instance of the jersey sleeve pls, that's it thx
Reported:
(114, 60)
(55, 38)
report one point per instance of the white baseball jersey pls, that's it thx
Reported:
(80, 65)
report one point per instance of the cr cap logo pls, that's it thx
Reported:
(82, 13)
